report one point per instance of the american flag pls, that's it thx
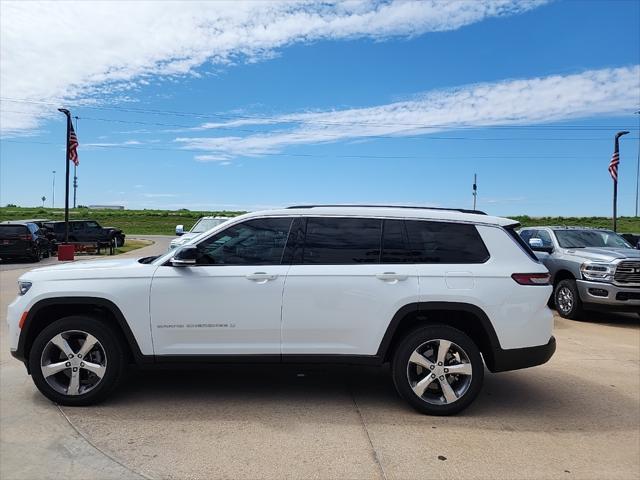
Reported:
(73, 145)
(613, 164)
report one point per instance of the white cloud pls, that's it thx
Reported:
(66, 51)
(510, 102)
(160, 195)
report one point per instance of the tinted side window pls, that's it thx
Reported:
(340, 241)
(545, 237)
(440, 242)
(395, 243)
(254, 242)
(526, 235)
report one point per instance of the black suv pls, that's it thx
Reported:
(87, 231)
(18, 240)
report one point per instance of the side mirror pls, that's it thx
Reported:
(185, 256)
(179, 230)
(537, 245)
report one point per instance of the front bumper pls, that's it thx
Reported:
(606, 295)
(517, 358)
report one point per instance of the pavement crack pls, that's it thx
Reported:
(86, 439)
(366, 431)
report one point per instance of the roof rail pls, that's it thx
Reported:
(462, 210)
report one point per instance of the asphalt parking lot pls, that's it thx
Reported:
(576, 417)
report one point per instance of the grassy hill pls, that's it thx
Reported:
(163, 222)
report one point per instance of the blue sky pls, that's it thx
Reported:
(250, 106)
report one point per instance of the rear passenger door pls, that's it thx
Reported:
(342, 289)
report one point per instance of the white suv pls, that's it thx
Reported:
(433, 292)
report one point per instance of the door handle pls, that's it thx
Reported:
(391, 277)
(261, 277)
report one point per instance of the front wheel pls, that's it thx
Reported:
(76, 361)
(438, 370)
(567, 299)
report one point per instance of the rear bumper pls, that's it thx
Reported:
(517, 358)
(15, 251)
(608, 296)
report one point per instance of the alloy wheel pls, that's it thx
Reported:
(439, 372)
(73, 362)
(564, 299)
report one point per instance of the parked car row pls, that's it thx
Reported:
(35, 239)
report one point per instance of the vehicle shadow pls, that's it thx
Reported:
(535, 400)
(630, 319)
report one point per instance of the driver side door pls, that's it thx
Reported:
(229, 302)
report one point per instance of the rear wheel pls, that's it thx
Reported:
(76, 361)
(36, 255)
(438, 370)
(567, 299)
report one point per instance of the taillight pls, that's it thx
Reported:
(25, 237)
(531, 278)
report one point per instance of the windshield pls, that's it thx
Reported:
(590, 238)
(205, 224)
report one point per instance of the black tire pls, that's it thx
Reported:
(36, 255)
(566, 299)
(47, 252)
(108, 340)
(401, 370)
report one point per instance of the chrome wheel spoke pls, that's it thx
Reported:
(443, 349)
(53, 368)
(449, 395)
(88, 344)
(459, 369)
(60, 342)
(74, 384)
(98, 369)
(421, 360)
(422, 385)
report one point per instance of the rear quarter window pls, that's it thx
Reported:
(13, 230)
(442, 242)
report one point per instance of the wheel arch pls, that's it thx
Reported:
(563, 274)
(466, 317)
(48, 310)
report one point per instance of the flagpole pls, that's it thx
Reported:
(616, 149)
(75, 172)
(66, 182)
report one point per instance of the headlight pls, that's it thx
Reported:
(598, 272)
(23, 287)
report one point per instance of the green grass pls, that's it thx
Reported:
(151, 222)
(163, 222)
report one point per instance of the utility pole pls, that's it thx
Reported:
(475, 189)
(53, 190)
(75, 172)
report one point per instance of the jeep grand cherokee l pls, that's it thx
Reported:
(436, 293)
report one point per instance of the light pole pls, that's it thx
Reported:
(53, 190)
(638, 167)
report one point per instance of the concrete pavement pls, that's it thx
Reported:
(576, 417)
